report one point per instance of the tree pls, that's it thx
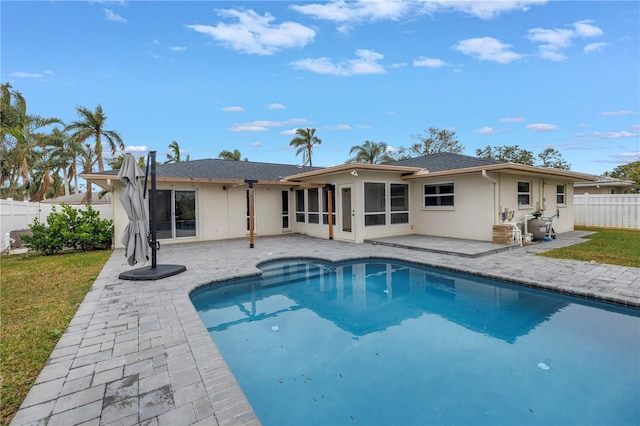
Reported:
(87, 159)
(234, 155)
(91, 125)
(21, 139)
(61, 149)
(116, 162)
(371, 153)
(507, 154)
(433, 142)
(630, 171)
(552, 158)
(304, 141)
(174, 155)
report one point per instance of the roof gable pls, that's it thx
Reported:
(445, 161)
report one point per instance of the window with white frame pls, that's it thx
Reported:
(300, 216)
(561, 194)
(399, 202)
(524, 194)
(439, 195)
(314, 206)
(374, 203)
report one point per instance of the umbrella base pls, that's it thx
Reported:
(149, 273)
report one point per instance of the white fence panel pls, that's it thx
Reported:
(18, 215)
(607, 211)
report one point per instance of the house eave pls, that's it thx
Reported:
(350, 167)
(508, 168)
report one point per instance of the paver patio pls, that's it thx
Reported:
(136, 352)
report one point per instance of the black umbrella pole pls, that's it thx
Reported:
(153, 213)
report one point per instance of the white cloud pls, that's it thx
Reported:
(366, 62)
(488, 49)
(626, 157)
(256, 34)
(512, 119)
(486, 130)
(594, 47)
(339, 127)
(542, 127)
(178, 48)
(256, 144)
(234, 108)
(135, 148)
(616, 113)
(276, 106)
(113, 17)
(429, 62)
(22, 74)
(290, 132)
(553, 41)
(616, 135)
(486, 9)
(264, 125)
(635, 127)
(348, 13)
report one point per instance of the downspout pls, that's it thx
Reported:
(495, 186)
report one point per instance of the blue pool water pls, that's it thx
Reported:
(379, 342)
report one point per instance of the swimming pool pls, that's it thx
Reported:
(384, 342)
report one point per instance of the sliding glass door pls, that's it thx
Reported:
(176, 213)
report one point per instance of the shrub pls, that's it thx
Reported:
(72, 229)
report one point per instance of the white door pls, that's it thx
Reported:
(346, 214)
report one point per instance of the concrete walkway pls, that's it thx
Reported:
(137, 353)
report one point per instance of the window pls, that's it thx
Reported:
(439, 195)
(399, 201)
(300, 206)
(175, 213)
(285, 209)
(524, 194)
(325, 207)
(561, 194)
(374, 204)
(314, 206)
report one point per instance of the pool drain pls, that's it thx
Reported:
(543, 366)
(276, 328)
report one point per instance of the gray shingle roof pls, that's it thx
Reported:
(445, 161)
(226, 169)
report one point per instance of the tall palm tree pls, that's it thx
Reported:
(91, 125)
(371, 153)
(304, 141)
(234, 155)
(61, 149)
(86, 160)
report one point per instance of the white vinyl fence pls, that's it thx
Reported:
(607, 211)
(18, 215)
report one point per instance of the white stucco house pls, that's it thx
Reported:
(445, 194)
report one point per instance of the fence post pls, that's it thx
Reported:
(586, 209)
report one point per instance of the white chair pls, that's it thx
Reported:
(517, 235)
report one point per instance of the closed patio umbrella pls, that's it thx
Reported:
(134, 237)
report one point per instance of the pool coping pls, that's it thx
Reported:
(137, 352)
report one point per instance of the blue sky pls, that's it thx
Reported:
(216, 75)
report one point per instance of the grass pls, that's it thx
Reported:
(39, 297)
(610, 246)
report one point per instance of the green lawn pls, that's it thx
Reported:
(39, 297)
(611, 246)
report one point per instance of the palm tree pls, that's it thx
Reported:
(233, 156)
(91, 125)
(174, 155)
(62, 152)
(86, 160)
(304, 141)
(20, 139)
(371, 153)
